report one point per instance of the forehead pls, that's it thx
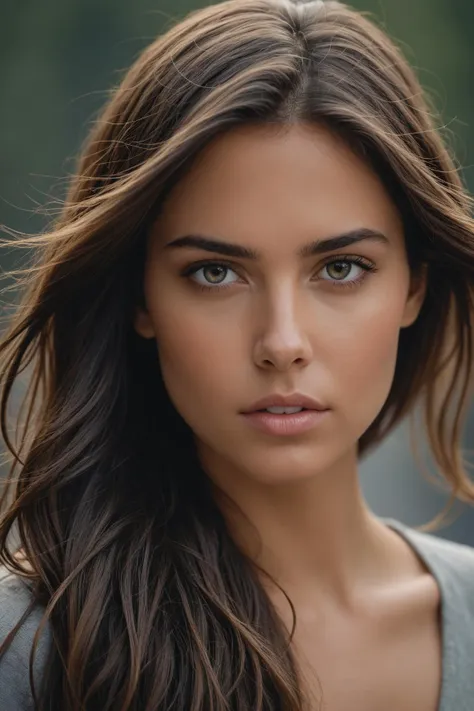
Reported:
(257, 180)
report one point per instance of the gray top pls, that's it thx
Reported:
(452, 565)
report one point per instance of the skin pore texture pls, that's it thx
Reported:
(231, 330)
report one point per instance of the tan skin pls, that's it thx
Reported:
(280, 322)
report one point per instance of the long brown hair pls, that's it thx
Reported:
(151, 604)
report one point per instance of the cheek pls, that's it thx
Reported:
(371, 359)
(364, 358)
(198, 355)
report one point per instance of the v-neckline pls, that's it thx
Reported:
(450, 662)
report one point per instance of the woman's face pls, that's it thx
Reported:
(277, 268)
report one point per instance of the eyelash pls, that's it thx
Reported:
(366, 265)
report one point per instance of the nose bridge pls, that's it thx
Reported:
(282, 339)
(283, 316)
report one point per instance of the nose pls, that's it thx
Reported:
(282, 342)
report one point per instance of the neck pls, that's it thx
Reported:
(314, 537)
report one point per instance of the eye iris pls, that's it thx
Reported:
(214, 273)
(339, 269)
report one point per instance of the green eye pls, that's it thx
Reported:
(214, 273)
(339, 270)
(346, 271)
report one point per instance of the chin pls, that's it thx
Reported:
(287, 467)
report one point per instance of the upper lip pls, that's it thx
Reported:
(294, 400)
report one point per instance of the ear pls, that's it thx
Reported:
(416, 296)
(143, 324)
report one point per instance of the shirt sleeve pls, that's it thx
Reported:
(15, 597)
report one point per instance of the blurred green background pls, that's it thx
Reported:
(59, 59)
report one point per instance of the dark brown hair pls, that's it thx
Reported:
(151, 604)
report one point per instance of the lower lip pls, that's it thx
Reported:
(286, 425)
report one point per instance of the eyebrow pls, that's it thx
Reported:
(227, 249)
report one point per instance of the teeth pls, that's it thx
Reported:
(284, 410)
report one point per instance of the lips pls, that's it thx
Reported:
(290, 424)
(293, 400)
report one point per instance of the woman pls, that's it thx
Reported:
(264, 262)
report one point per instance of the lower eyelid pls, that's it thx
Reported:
(347, 284)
